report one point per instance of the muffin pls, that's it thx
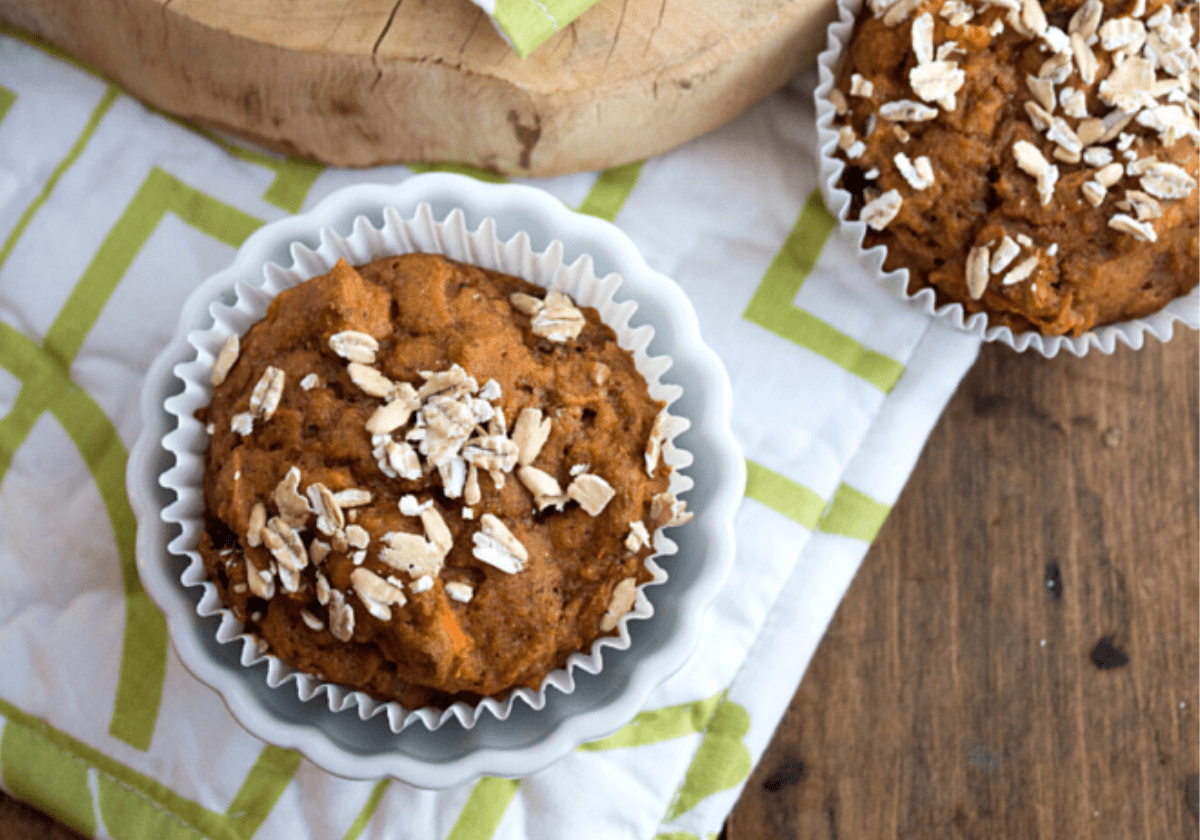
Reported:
(1034, 163)
(430, 481)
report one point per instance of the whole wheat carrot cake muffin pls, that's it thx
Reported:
(1033, 160)
(430, 481)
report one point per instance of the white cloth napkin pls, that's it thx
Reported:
(111, 214)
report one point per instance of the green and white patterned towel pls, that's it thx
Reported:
(526, 24)
(111, 214)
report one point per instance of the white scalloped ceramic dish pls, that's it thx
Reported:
(529, 739)
(188, 441)
(1161, 325)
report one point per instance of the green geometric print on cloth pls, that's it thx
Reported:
(772, 308)
(850, 513)
(49, 769)
(46, 386)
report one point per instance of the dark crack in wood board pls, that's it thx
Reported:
(385, 81)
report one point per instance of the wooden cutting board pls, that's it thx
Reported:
(371, 82)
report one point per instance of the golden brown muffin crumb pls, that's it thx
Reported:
(1034, 161)
(417, 485)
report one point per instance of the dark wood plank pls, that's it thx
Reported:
(18, 821)
(932, 708)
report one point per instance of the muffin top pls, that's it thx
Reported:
(430, 481)
(1035, 162)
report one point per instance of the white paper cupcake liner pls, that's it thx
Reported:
(422, 233)
(1161, 325)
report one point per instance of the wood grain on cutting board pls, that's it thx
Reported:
(396, 81)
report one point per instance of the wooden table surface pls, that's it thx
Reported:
(1018, 656)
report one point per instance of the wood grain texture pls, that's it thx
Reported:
(399, 81)
(18, 821)
(932, 709)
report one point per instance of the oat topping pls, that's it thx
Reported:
(293, 508)
(861, 87)
(409, 506)
(1005, 253)
(260, 581)
(341, 616)
(899, 12)
(849, 143)
(491, 452)
(1142, 231)
(1094, 192)
(436, 530)
(392, 415)
(1166, 180)
(623, 597)
(311, 621)
(354, 346)
(669, 511)
(545, 489)
(660, 431)
(496, 546)
(840, 105)
(1021, 272)
(977, 271)
(410, 553)
(557, 320)
(1043, 90)
(530, 434)
(356, 537)
(376, 593)
(937, 81)
(330, 518)
(265, 397)
(905, 110)
(956, 12)
(370, 380)
(1029, 158)
(258, 521)
(592, 492)
(461, 592)
(225, 359)
(288, 550)
(1122, 34)
(471, 492)
(310, 381)
(638, 537)
(1143, 205)
(422, 584)
(879, 212)
(918, 173)
(525, 304)
(318, 550)
(352, 497)
(1074, 103)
